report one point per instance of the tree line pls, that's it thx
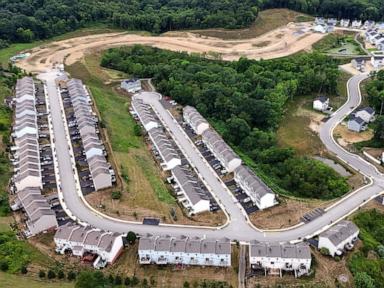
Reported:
(29, 20)
(245, 101)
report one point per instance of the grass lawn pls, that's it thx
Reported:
(295, 130)
(145, 187)
(18, 281)
(335, 42)
(4, 223)
(266, 21)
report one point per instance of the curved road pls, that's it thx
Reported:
(238, 227)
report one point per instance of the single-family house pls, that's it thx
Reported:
(345, 22)
(380, 44)
(356, 24)
(131, 85)
(366, 113)
(357, 124)
(255, 188)
(377, 61)
(321, 103)
(369, 24)
(339, 238)
(274, 258)
(321, 28)
(358, 64)
(195, 120)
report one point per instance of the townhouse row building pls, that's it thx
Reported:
(253, 186)
(275, 258)
(184, 251)
(81, 240)
(86, 120)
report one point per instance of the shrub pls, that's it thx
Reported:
(60, 274)
(41, 274)
(51, 274)
(71, 275)
(134, 281)
(118, 280)
(127, 281)
(324, 251)
(131, 237)
(116, 195)
(4, 265)
(24, 270)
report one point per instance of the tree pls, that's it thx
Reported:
(324, 251)
(134, 281)
(118, 280)
(41, 274)
(378, 135)
(116, 195)
(186, 284)
(71, 275)
(137, 130)
(237, 130)
(131, 237)
(24, 269)
(91, 279)
(51, 274)
(127, 281)
(363, 280)
(60, 274)
(4, 265)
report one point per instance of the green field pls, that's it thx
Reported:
(18, 281)
(340, 44)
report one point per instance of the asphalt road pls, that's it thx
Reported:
(237, 228)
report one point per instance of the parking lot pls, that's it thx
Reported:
(241, 196)
(84, 173)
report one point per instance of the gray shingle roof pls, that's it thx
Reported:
(340, 232)
(293, 251)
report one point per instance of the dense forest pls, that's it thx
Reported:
(352, 9)
(29, 20)
(245, 101)
(367, 264)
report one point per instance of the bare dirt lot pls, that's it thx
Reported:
(286, 214)
(280, 42)
(346, 137)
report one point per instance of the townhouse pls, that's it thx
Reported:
(166, 148)
(39, 215)
(339, 238)
(256, 189)
(25, 136)
(274, 258)
(83, 240)
(86, 121)
(190, 191)
(182, 250)
(28, 178)
(131, 85)
(145, 114)
(195, 120)
(227, 157)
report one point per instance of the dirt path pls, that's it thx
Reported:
(280, 42)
